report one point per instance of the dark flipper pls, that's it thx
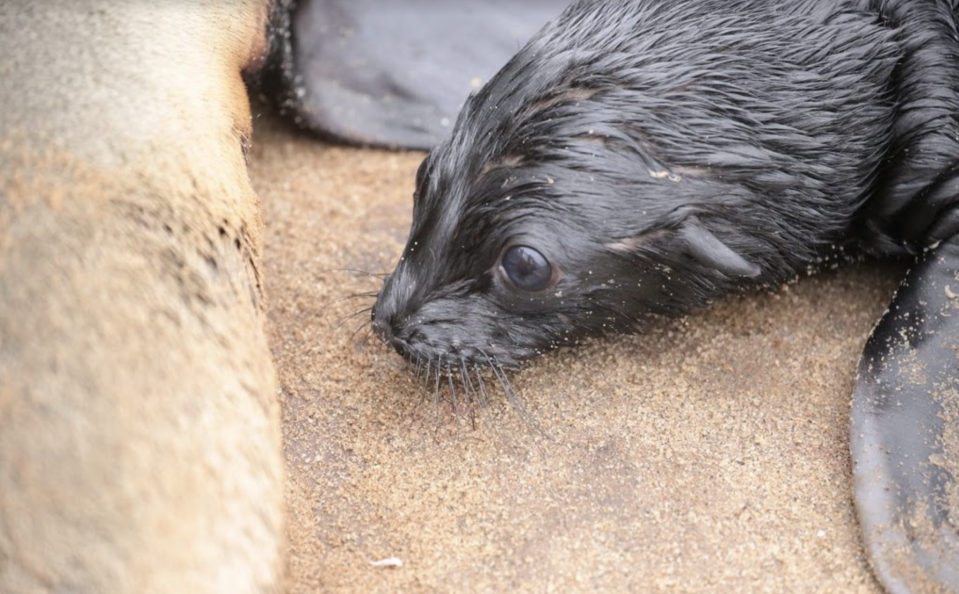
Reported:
(396, 73)
(905, 431)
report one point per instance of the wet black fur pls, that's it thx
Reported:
(661, 153)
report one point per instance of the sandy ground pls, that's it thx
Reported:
(707, 455)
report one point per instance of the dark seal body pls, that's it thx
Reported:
(646, 157)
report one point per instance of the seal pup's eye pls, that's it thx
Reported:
(526, 268)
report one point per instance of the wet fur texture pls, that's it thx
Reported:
(661, 154)
(139, 431)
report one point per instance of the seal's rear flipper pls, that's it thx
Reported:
(396, 73)
(905, 431)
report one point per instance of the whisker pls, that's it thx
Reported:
(483, 394)
(439, 376)
(426, 376)
(352, 296)
(437, 395)
(357, 272)
(360, 328)
(449, 377)
(469, 383)
(469, 391)
(361, 312)
(342, 322)
(511, 395)
(366, 311)
(484, 397)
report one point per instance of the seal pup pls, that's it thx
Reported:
(640, 158)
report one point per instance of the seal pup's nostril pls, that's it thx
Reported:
(382, 328)
(383, 322)
(387, 326)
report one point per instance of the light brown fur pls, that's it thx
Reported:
(139, 433)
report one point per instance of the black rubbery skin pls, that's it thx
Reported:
(364, 71)
(904, 408)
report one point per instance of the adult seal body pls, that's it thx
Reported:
(644, 157)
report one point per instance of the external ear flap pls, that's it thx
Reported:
(709, 251)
